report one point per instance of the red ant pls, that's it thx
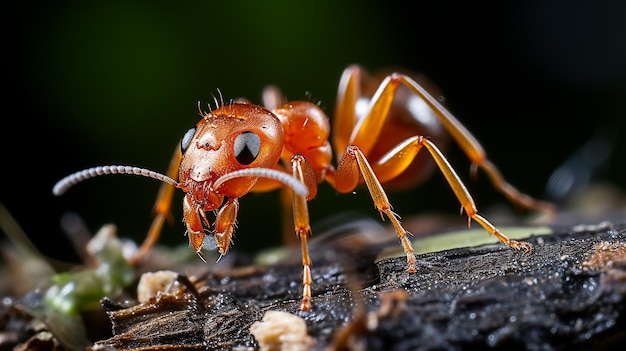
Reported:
(241, 147)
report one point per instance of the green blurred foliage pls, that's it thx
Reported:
(119, 82)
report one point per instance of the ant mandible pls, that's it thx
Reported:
(241, 147)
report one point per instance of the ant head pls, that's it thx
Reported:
(233, 137)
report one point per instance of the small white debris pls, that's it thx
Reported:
(281, 331)
(151, 283)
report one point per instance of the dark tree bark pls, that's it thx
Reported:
(568, 293)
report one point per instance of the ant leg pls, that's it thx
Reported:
(366, 131)
(303, 172)
(264, 185)
(395, 160)
(161, 208)
(466, 199)
(347, 177)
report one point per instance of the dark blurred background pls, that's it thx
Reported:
(118, 82)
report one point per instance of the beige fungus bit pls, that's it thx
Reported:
(281, 331)
(152, 283)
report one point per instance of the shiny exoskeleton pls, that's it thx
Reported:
(380, 125)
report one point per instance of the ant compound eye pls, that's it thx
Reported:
(184, 143)
(246, 148)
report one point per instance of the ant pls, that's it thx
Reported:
(241, 147)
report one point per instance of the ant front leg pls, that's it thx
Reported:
(161, 208)
(303, 171)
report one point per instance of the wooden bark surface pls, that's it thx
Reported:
(568, 293)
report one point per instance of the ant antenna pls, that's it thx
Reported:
(287, 179)
(64, 184)
(67, 182)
